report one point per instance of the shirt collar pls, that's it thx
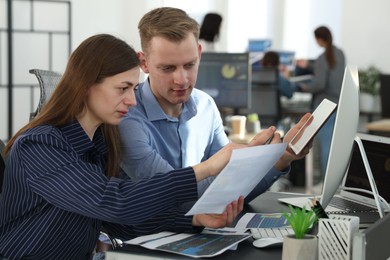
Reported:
(80, 141)
(153, 109)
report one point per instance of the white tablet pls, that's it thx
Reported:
(312, 125)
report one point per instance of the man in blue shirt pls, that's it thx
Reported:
(174, 124)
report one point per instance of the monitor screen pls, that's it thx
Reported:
(384, 94)
(259, 45)
(344, 132)
(256, 49)
(287, 58)
(226, 77)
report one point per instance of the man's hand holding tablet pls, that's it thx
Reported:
(312, 125)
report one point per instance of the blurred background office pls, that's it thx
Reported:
(43, 33)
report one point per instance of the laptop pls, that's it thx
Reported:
(349, 201)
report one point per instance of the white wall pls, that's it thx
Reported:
(303, 17)
(366, 33)
(361, 28)
(118, 17)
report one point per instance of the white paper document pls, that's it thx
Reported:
(300, 78)
(246, 168)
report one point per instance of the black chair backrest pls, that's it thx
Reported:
(385, 94)
(265, 96)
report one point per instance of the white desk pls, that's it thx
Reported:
(379, 126)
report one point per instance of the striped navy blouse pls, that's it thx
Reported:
(56, 197)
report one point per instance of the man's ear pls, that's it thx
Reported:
(143, 63)
(199, 50)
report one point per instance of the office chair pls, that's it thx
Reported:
(384, 80)
(2, 164)
(48, 80)
(265, 96)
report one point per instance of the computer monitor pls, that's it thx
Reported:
(385, 93)
(227, 78)
(259, 45)
(256, 49)
(287, 58)
(265, 96)
(344, 132)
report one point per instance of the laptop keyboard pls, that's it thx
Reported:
(348, 205)
(258, 233)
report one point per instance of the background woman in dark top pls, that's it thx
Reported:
(328, 77)
(209, 31)
(62, 178)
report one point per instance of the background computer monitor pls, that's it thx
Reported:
(256, 49)
(265, 96)
(259, 45)
(385, 94)
(287, 58)
(227, 78)
(344, 132)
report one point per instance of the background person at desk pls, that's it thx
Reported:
(174, 124)
(61, 179)
(326, 83)
(271, 59)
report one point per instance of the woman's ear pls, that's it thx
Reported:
(143, 62)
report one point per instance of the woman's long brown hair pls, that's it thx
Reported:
(96, 58)
(324, 34)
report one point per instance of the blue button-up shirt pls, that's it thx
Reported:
(155, 142)
(55, 196)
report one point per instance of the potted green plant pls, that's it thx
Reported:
(300, 245)
(369, 87)
(369, 80)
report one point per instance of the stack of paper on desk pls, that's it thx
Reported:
(246, 168)
(193, 245)
(262, 220)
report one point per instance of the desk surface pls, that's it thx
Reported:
(265, 203)
(242, 139)
(380, 125)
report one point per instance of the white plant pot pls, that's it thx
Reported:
(300, 249)
(367, 102)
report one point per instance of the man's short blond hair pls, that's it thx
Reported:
(169, 23)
